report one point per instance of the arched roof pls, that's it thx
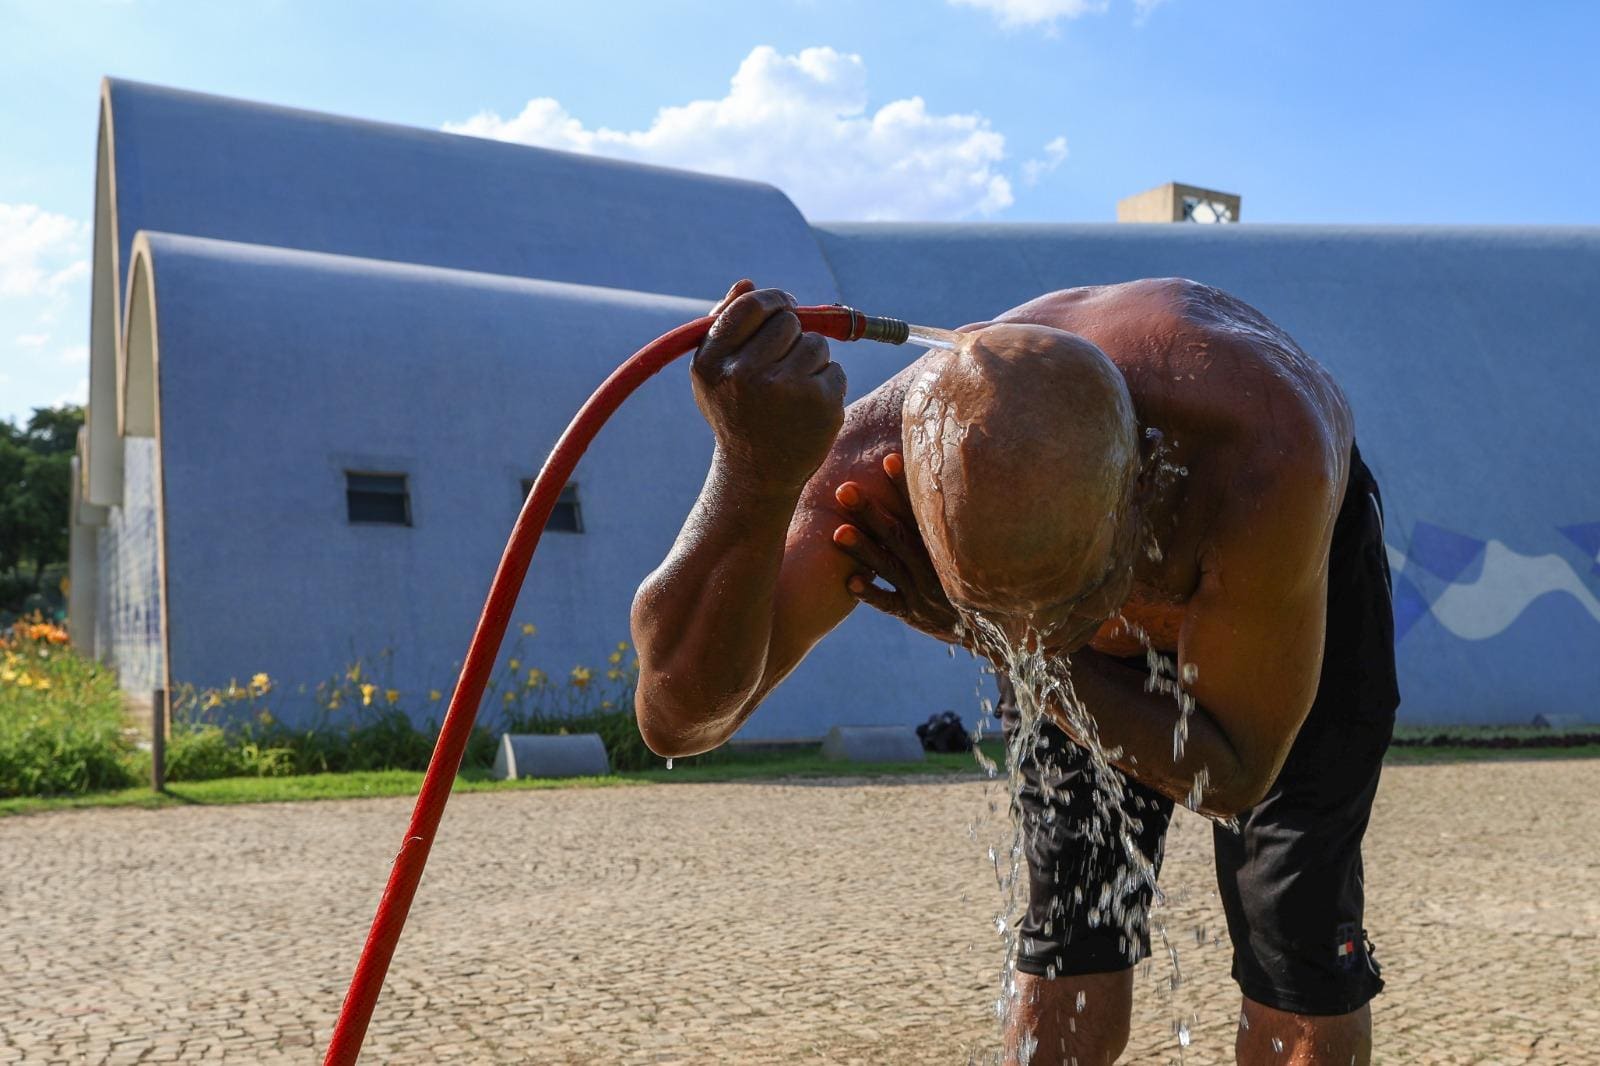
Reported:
(272, 372)
(208, 166)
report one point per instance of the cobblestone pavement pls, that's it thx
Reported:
(844, 921)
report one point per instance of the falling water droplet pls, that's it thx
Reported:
(669, 764)
(1277, 1046)
(1183, 1034)
(1082, 999)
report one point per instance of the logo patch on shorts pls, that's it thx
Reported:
(1347, 945)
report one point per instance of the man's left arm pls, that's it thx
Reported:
(1249, 654)
(1249, 650)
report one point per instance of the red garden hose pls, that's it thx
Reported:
(837, 322)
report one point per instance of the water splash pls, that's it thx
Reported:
(1043, 686)
(1044, 683)
(933, 337)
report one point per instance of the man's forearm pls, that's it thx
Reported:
(1142, 725)
(703, 620)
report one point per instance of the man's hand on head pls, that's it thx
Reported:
(885, 548)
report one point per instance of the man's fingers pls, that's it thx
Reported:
(886, 600)
(775, 339)
(740, 287)
(809, 355)
(744, 316)
(894, 467)
(887, 531)
(866, 551)
(747, 313)
(869, 515)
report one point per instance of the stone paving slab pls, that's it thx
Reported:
(840, 922)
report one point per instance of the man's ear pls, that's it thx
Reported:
(1147, 485)
(1152, 450)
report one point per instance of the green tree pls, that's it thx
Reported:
(54, 430)
(35, 487)
(13, 466)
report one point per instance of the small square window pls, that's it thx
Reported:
(568, 514)
(380, 499)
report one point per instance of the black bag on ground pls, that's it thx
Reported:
(944, 733)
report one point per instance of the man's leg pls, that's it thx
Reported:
(1291, 880)
(1069, 947)
(1271, 1037)
(1048, 1020)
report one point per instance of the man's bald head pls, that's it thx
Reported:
(1021, 452)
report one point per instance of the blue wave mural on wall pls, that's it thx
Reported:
(1483, 586)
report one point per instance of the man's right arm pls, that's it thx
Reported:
(745, 591)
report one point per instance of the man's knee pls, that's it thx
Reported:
(1283, 1038)
(1065, 1018)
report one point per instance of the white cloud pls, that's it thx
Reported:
(1014, 14)
(44, 294)
(41, 253)
(1055, 153)
(1142, 9)
(800, 122)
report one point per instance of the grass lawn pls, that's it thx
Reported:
(728, 767)
(358, 785)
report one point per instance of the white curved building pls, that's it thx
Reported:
(326, 353)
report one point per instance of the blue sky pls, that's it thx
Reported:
(1039, 110)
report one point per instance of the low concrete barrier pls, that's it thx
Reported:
(872, 743)
(537, 755)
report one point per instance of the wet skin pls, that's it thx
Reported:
(807, 503)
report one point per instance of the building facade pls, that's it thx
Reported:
(326, 356)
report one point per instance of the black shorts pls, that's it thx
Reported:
(1290, 878)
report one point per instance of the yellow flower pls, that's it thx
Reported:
(529, 629)
(514, 665)
(434, 695)
(613, 674)
(354, 673)
(265, 718)
(622, 645)
(261, 684)
(234, 692)
(366, 694)
(42, 684)
(536, 678)
(333, 700)
(605, 705)
(392, 696)
(615, 658)
(8, 674)
(26, 681)
(212, 698)
(581, 676)
(509, 698)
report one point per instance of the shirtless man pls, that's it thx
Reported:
(1014, 478)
